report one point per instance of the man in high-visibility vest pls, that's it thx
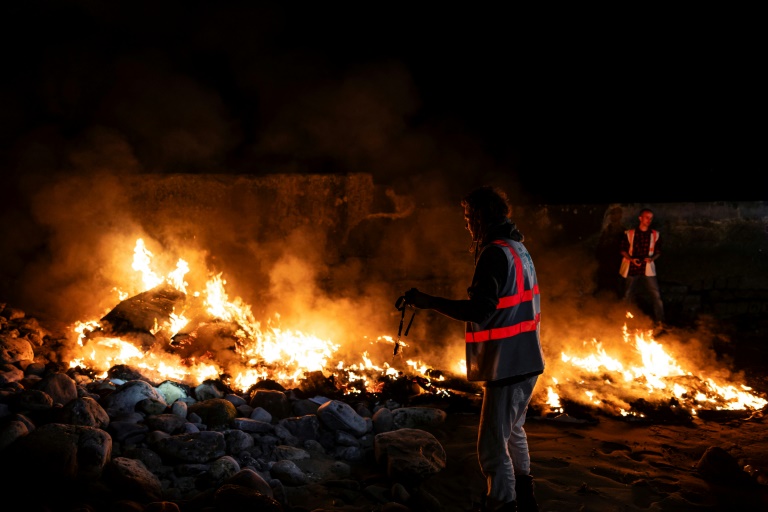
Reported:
(640, 248)
(503, 345)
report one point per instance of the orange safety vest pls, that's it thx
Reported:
(508, 343)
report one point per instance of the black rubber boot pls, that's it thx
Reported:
(526, 501)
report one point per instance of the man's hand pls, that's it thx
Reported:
(417, 299)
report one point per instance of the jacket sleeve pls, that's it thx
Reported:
(490, 276)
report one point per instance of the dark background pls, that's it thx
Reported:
(564, 106)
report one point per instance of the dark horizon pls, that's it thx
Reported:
(563, 110)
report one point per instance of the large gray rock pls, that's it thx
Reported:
(222, 468)
(173, 391)
(217, 413)
(237, 441)
(197, 447)
(409, 455)
(84, 411)
(288, 473)
(56, 452)
(131, 479)
(283, 452)
(337, 415)
(247, 477)
(149, 457)
(14, 349)
(417, 417)
(33, 401)
(274, 401)
(10, 373)
(168, 422)
(59, 386)
(383, 421)
(719, 466)
(303, 427)
(255, 426)
(10, 431)
(123, 400)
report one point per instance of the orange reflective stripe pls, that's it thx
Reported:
(513, 300)
(503, 332)
(522, 295)
(518, 265)
(509, 301)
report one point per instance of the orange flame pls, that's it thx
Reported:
(285, 355)
(655, 374)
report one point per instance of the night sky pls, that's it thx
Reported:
(580, 106)
(563, 107)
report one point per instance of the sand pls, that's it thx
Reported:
(619, 465)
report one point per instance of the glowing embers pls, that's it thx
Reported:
(638, 378)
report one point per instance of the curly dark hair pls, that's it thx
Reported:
(487, 206)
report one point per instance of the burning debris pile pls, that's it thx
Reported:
(168, 331)
(164, 330)
(638, 378)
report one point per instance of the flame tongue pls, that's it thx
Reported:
(653, 375)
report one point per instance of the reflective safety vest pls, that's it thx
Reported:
(508, 343)
(650, 268)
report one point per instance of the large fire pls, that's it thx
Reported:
(646, 373)
(246, 352)
(253, 351)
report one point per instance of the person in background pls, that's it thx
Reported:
(640, 248)
(608, 254)
(503, 345)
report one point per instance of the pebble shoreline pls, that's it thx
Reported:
(70, 442)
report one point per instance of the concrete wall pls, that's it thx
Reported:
(256, 207)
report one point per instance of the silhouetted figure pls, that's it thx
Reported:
(503, 344)
(608, 254)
